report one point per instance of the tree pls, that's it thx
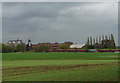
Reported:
(109, 37)
(112, 42)
(11, 48)
(90, 40)
(4, 48)
(87, 41)
(106, 42)
(96, 39)
(64, 46)
(106, 38)
(102, 37)
(87, 44)
(23, 47)
(99, 39)
(97, 46)
(0, 47)
(20, 47)
(41, 48)
(91, 46)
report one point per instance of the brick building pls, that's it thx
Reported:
(52, 45)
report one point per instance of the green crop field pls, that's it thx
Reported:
(60, 66)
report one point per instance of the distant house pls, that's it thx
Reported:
(52, 45)
(77, 46)
(15, 42)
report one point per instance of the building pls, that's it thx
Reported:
(52, 45)
(29, 45)
(77, 46)
(15, 42)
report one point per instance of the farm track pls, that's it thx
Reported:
(15, 71)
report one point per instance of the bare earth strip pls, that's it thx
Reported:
(34, 69)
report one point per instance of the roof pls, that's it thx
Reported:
(77, 45)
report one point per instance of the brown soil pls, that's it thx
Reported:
(34, 69)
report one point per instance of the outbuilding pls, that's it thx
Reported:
(77, 46)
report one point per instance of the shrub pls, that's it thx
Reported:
(87, 50)
(11, 47)
(41, 48)
(20, 47)
(64, 46)
(4, 48)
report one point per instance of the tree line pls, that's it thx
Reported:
(12, 48)
(22, 48)
(100, 42)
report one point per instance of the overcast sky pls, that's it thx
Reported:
(58, 22)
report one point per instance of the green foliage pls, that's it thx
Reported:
(99, 39)
(105, 43)
(87, 45)
(41, 48)
(0, 47)
(87, 41)
(91, 47)
(106, 37)
(4, 48)
(112, 42)
(87, 50)
(64, 46)
(96, 39)
(20, 47)
(90, 40)
(11, 47)
(102, 37)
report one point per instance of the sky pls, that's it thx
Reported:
(58, 21)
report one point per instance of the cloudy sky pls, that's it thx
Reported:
(58, 22)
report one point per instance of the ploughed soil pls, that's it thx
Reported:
(34, 69)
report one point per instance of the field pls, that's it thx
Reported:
(60, 66)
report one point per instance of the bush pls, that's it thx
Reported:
(87, 50)
(64, 46)
(11, 47)
(20, 47)
(41, 48)
(4, 48)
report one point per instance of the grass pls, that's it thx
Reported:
(60, 66)
(59, 55)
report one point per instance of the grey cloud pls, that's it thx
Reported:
(58, 21)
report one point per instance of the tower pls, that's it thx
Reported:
(29, 42)
(29, 45)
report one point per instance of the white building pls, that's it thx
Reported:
(15, 42)
(77, 45)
